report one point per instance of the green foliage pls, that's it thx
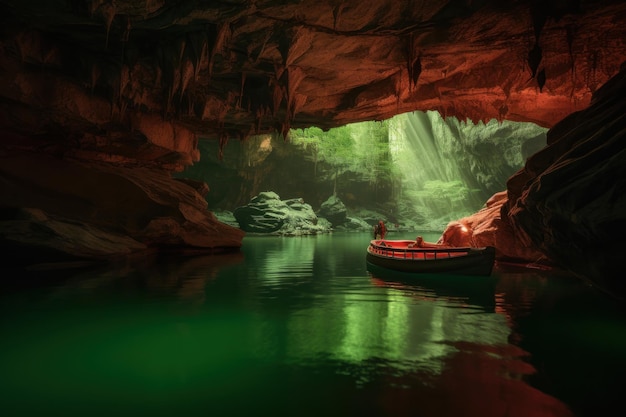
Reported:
(362, 148)
(376, 152)
(451, 195)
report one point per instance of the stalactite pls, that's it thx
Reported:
(198, 46)
(158, 76)
(95, 76)
(284, 130)
(295, 76)
(539, 19)
(171, 69)
(182, 46)
(182, 73)
(283, 42)
(124, 82)
(243, 82)
(534, 58)
(278, 93)
(300, 43)
(279, 69)
(223, 141)
(203, 57)
(127, 29)
(198, 107)
(123, 105)
(124, 77)
(224, 35)
(255, 59)
(222, 110)
(187, 73)
(114, 96)
(258, 120)
(108, 13)
(541, 79)
(502, 112)
(414, 62)
(210, 31)
(221, 41)
(535, 55)
(570, 31)
(298, 102)
(416, 70)
(193, 106)
(172, 90)
(398, 88)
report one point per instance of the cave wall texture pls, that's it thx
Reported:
(101, 100)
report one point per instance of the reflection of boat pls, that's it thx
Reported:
(464, 289)
(399, 255)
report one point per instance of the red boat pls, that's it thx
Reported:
(407, 256)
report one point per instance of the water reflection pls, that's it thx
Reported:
(461, 290)
(297, 326)
(152, 279)
(293, 259)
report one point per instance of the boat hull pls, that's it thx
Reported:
(461, 261)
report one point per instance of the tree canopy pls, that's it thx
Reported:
(362, 148)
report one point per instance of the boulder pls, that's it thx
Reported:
(333, 210)
(268, 214)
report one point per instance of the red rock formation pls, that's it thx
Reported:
(76, 210)
(567, 205)
(488, 228)
(146, 76)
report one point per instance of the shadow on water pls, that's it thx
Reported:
(574, 333)
(138, 280)
(460, 289)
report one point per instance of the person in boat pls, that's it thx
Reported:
(419, 242)
(380, 230)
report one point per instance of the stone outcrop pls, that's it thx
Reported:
(333, 210)
(487, 228)
(98, 210)
(32, 238)
(266, 213)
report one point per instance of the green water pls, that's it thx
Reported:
(300, 327)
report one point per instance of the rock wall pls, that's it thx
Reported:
(567, 206)
(56, 208)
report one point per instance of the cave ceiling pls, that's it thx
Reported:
(99, 73)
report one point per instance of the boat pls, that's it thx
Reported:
(406, 256)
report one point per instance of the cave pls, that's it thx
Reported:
(103, 102)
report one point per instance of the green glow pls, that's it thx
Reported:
(266, 336)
